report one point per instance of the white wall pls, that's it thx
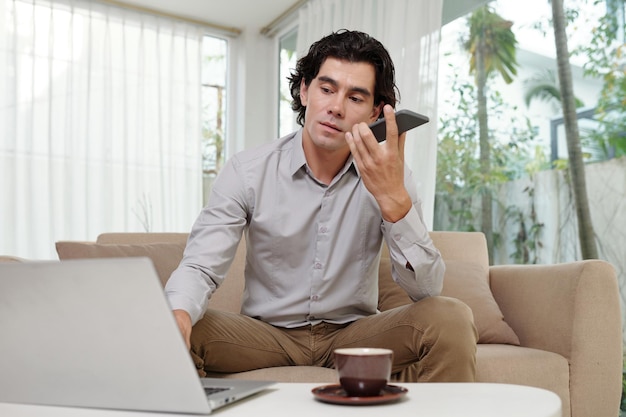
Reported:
(253, 105)
(540, 112)
(555, 208)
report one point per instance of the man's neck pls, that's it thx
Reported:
(324, 164)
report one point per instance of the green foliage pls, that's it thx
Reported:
(492, 48)
(561, 164)
(459, 180)
(527, 241)
(544, 86)
(458, 170)
(493, 36)
(606, 60)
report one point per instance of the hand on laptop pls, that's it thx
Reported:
(183, 319)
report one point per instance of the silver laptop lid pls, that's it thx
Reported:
(93, 333)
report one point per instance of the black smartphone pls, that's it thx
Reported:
(406, 120)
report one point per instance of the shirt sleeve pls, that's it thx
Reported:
(211, 247)
(417, 265)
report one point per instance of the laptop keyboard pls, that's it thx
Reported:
(213, 390)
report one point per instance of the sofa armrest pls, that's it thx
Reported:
(572, 309)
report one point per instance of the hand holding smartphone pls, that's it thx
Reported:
(405, 119)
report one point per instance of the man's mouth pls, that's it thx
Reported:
(332, 126)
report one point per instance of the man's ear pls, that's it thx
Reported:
(304, 92)
(376, 110)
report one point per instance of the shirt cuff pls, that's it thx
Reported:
(407, 232)
(181, 302)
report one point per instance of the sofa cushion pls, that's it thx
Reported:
(164, 256)
(466, 281)
(506, 364)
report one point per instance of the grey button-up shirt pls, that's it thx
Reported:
(313, 250)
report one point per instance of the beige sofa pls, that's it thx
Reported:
(556, 327)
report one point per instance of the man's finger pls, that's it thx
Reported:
(401, 140)
(391, 127)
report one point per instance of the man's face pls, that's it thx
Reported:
(340, 96)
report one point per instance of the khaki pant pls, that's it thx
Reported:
(433, 340)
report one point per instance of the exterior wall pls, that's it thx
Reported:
(553, 204)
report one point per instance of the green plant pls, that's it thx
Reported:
(459, 179)
(544, 86)
(606, 59)
(492, 47)
(527, 241)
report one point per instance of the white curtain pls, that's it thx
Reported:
(99, 123)
(410, 30)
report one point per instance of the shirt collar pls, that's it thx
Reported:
(297, 153)
(298, 160)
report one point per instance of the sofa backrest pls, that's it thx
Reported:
(228, 298)
(141, 238)
(462, 246)
(458, 246)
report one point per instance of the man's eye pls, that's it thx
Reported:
(326, 89)
(356, 99)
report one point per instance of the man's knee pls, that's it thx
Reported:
(229, 342)
(449, 316)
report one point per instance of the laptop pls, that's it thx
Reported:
(99, 333)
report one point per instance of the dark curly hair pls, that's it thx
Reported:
(352, 46)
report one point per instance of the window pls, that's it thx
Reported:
(532, 216)
(536, 57)
(286, 62)
(101, 123)
(214, 69)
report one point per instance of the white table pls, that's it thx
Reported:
(296, 399)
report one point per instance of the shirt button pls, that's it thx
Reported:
(317, 265)
(323, 229)
(315, 297)
(310, 317)
(397, 236)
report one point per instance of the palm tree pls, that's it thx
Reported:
(544, 86)
(492, 48)
(586, 234)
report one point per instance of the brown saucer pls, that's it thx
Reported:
(336, 395)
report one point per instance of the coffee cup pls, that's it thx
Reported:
(363, 372)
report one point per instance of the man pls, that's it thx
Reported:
(315, 207)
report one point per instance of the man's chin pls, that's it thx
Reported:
(328, 132)
(330, 144)
(325, 138)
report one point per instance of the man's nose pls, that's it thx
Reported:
(337, 106)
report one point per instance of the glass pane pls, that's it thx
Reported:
(286, 64)
(523, 137)
(214, 69)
